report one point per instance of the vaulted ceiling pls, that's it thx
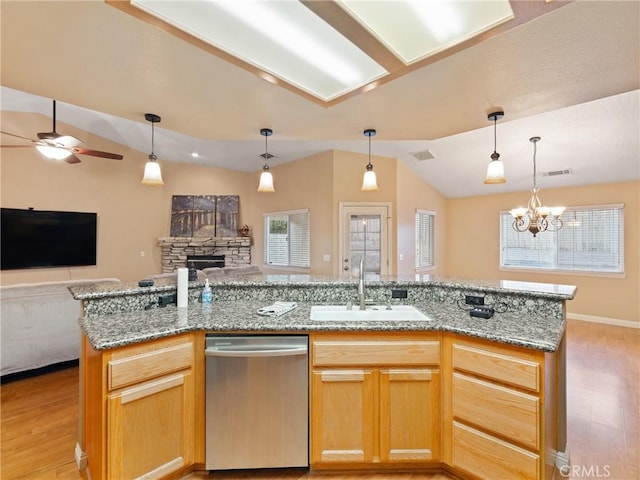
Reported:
(570, 74)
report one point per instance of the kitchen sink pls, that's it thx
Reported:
(337, 313)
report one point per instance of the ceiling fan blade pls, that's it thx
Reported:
(17, 136)
(97, 153)
(72, 159)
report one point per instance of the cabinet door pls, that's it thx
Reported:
(343, 412)
(151, 428)
(409, 415)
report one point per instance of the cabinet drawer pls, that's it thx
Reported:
(491, 458)
(503, 411)
(375, 352)
(137, 368)
(512, 370)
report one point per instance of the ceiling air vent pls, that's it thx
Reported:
(424, 155)
(555, 173)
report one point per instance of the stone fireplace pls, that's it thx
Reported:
(175, 250)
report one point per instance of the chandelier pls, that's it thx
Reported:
(536, 218)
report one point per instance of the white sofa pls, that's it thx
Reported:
(39, 324)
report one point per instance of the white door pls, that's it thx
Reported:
(364, 235)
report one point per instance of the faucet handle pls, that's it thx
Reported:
(349, 306)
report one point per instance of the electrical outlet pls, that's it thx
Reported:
(164, 300)
(473, 300)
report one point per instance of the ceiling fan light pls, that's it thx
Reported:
(495, 172)
(266, 181)
(67, 141)
(152, 174)
(54, 153)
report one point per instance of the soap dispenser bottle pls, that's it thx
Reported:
(207, 294)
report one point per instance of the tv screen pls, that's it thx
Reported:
(41, 239)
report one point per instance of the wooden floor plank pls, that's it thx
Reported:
(39, 418)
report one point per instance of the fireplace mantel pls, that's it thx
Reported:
(236, 250)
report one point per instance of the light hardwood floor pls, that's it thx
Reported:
(40, 415)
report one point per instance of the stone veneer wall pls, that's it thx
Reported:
(236, 250)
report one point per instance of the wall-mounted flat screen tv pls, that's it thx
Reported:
(40, 238)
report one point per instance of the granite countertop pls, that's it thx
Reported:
(112, 331)
(539, 290)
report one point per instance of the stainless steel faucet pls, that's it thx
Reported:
(361, 286)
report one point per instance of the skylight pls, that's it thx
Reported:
(283, 38)
(415, 29)
(329, 49)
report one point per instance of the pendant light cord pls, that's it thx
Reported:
(495, 137)
(152, 136)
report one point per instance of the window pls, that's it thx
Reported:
(424, 239)
(287, 238)
(591, 240)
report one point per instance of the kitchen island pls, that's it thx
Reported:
(488, 394)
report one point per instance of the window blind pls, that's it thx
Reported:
(287, 241)
(424, 239)
(591, 240)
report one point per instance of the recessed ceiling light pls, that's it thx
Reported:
(195, 155)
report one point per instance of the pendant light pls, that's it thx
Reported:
(369, 181)
(266, 179)
(152, 173)
(495, 170)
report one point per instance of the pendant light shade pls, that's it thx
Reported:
(369, 181)
(266, 178)
(152, 173)
(495, 170)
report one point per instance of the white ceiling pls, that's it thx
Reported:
(571, 76)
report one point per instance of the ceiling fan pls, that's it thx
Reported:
(60, 147)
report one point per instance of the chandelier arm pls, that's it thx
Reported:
(519, 225)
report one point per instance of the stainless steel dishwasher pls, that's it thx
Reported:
(257, 401)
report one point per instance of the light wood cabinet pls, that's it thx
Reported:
(496, 409)
(150, 406)
(375, 399)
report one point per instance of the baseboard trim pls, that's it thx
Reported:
(606, 320)
(54, 367)
(562, 464)
(80, 457)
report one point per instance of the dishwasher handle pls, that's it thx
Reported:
(266, 352)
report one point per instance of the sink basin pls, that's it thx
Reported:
(337, 313)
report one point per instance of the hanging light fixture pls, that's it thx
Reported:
(152, 173)
(495, 170)
(369, 181)
(536, 218)
(266, 179)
